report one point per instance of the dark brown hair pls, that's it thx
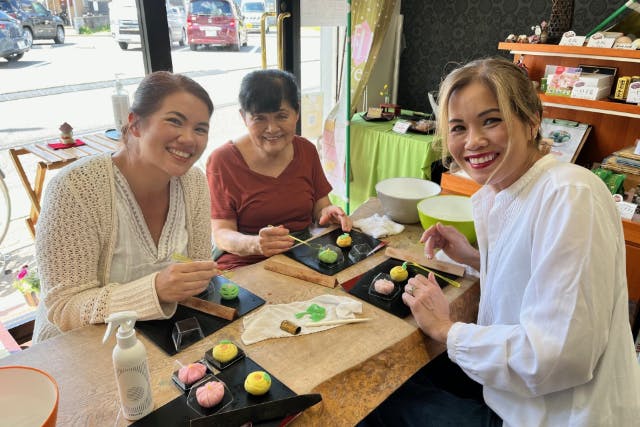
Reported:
(155, 87)
(262, 91)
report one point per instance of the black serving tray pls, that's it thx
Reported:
(395, 305)
(383, 118)
(308, 256)
(159, 331)
(178, 413)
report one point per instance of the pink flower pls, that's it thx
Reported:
(22, 273)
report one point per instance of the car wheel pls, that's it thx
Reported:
(183, 40)
(28, 36)
(267, 29)
(59, 38)
(15, 57)
(193, 46)
(170, 37)
(123, 45)
(236, 46)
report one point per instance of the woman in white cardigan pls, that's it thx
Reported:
(111, 223)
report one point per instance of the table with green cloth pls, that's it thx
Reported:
(378, 153)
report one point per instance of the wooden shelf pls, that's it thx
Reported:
(603, 107)
(621, 55)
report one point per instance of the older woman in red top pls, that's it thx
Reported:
(268, 176)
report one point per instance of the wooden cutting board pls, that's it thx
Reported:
(284, 265)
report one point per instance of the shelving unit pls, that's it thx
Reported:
(615, 124)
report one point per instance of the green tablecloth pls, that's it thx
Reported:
(378, 153)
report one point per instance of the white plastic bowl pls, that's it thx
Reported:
(400, 197)
(28, 397)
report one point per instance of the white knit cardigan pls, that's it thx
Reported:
(75, 239)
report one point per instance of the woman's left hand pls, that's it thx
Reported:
(429, 305)
(336, 215)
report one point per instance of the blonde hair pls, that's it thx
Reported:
(516, 96)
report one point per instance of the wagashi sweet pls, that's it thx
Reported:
(210, 394)
(229, 291)
(224, 351)
(344, 240)
(328, 256)
(191, 373)
(398, 274)
(257, 383)
(383, 286)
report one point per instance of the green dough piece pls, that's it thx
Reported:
(328, 256)
(314, 311)
(229, 291)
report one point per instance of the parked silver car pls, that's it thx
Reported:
(12, 42)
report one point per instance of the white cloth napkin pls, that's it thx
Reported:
(265, 323)
(378, 226)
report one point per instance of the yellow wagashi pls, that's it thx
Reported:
(225, 351)
(398, 274)
(257, 383)
(344, 240)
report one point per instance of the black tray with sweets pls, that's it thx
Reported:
(309, 255)
(394, 305)
(159, 331)
(384, 118)
(186, 387)
(279, 402)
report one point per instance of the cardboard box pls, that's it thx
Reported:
(590, 92)
(595, 80)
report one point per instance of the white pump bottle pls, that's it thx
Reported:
(130, 365)
(120, 104)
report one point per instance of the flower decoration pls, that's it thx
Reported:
(27, 281)
(385, 93)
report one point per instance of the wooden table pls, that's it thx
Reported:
(49, 159)
(355, 367)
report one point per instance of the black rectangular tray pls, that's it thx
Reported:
(159, 331)
(308, 256)
(178, 413)
(395, 306)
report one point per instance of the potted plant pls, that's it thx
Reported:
(28, 283)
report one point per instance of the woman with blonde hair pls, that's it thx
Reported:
(552, 345)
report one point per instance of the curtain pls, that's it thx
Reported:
(370, 20)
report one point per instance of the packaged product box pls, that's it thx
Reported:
(595, 80)
(590, 92)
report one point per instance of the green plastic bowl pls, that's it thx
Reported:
(449, 210)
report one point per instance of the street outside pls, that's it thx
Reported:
(73, 83)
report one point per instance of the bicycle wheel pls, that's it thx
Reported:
(5, 208)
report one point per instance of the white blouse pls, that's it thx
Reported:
(135, 254)
(552, 346)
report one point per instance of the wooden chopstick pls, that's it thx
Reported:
(338, 322)
(446, 279)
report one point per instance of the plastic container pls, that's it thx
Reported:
(120, 104)
(130, 366)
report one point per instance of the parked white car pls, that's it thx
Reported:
(125, 29)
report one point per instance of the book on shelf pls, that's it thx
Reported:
(564, 137)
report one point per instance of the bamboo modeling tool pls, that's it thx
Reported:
(428, 270)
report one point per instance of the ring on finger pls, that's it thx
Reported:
(411, 289)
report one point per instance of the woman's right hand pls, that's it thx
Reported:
(179, 281)
(274, 240)
(452, 242)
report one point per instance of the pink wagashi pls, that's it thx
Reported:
(383, 286)
(191, 373)
(210, 394)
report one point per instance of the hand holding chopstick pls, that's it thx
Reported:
(178, 257)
